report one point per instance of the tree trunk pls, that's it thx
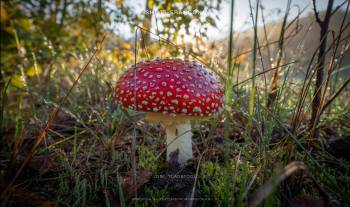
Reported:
(147, 21)
(316, 108)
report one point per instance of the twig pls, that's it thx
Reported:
(133, 142)
(316, 12)
(196, 177)
(258, 74)
(336, 94)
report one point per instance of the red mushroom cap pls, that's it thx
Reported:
(170, 86)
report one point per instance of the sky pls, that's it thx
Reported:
(242, 19)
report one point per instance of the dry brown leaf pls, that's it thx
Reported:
(44, 164)
(22, 196)
(142, 177)
(306, 201)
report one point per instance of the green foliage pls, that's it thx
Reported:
(180, 15)
(148, 158)
(49, 29)
(154, 196)
(216, 183)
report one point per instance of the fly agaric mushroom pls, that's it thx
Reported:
(171, 91)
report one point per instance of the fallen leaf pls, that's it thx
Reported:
(23, 196)
(44, 164)
(306, 201)
(142, 177)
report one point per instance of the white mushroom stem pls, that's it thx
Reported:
(178, 134)
(179, 137)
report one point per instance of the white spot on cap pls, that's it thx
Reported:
(169, 93)
(163, 83)
(184, 110)
(186, 96)
(174, 101)
(197, 109)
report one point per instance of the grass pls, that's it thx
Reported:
(82, 155)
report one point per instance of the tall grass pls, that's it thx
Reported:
(255, 44)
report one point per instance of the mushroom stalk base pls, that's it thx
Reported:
(178, 134)
(179, 137)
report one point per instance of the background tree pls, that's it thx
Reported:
(173, 16)
(316, 102)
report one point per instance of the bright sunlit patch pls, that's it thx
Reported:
(242, 58)
(18, 81)
(34, 70)
(3, 14)
(184, 38)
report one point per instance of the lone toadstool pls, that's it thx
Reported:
(171, 91)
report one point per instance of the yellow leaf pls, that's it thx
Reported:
(32, 71)
(3, 14)
(126, 46)
(242, 58)
(25, 23)
(119, 2)
(18, 81)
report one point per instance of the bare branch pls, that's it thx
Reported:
(339, 6)
(316, 13)
(336, 94)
